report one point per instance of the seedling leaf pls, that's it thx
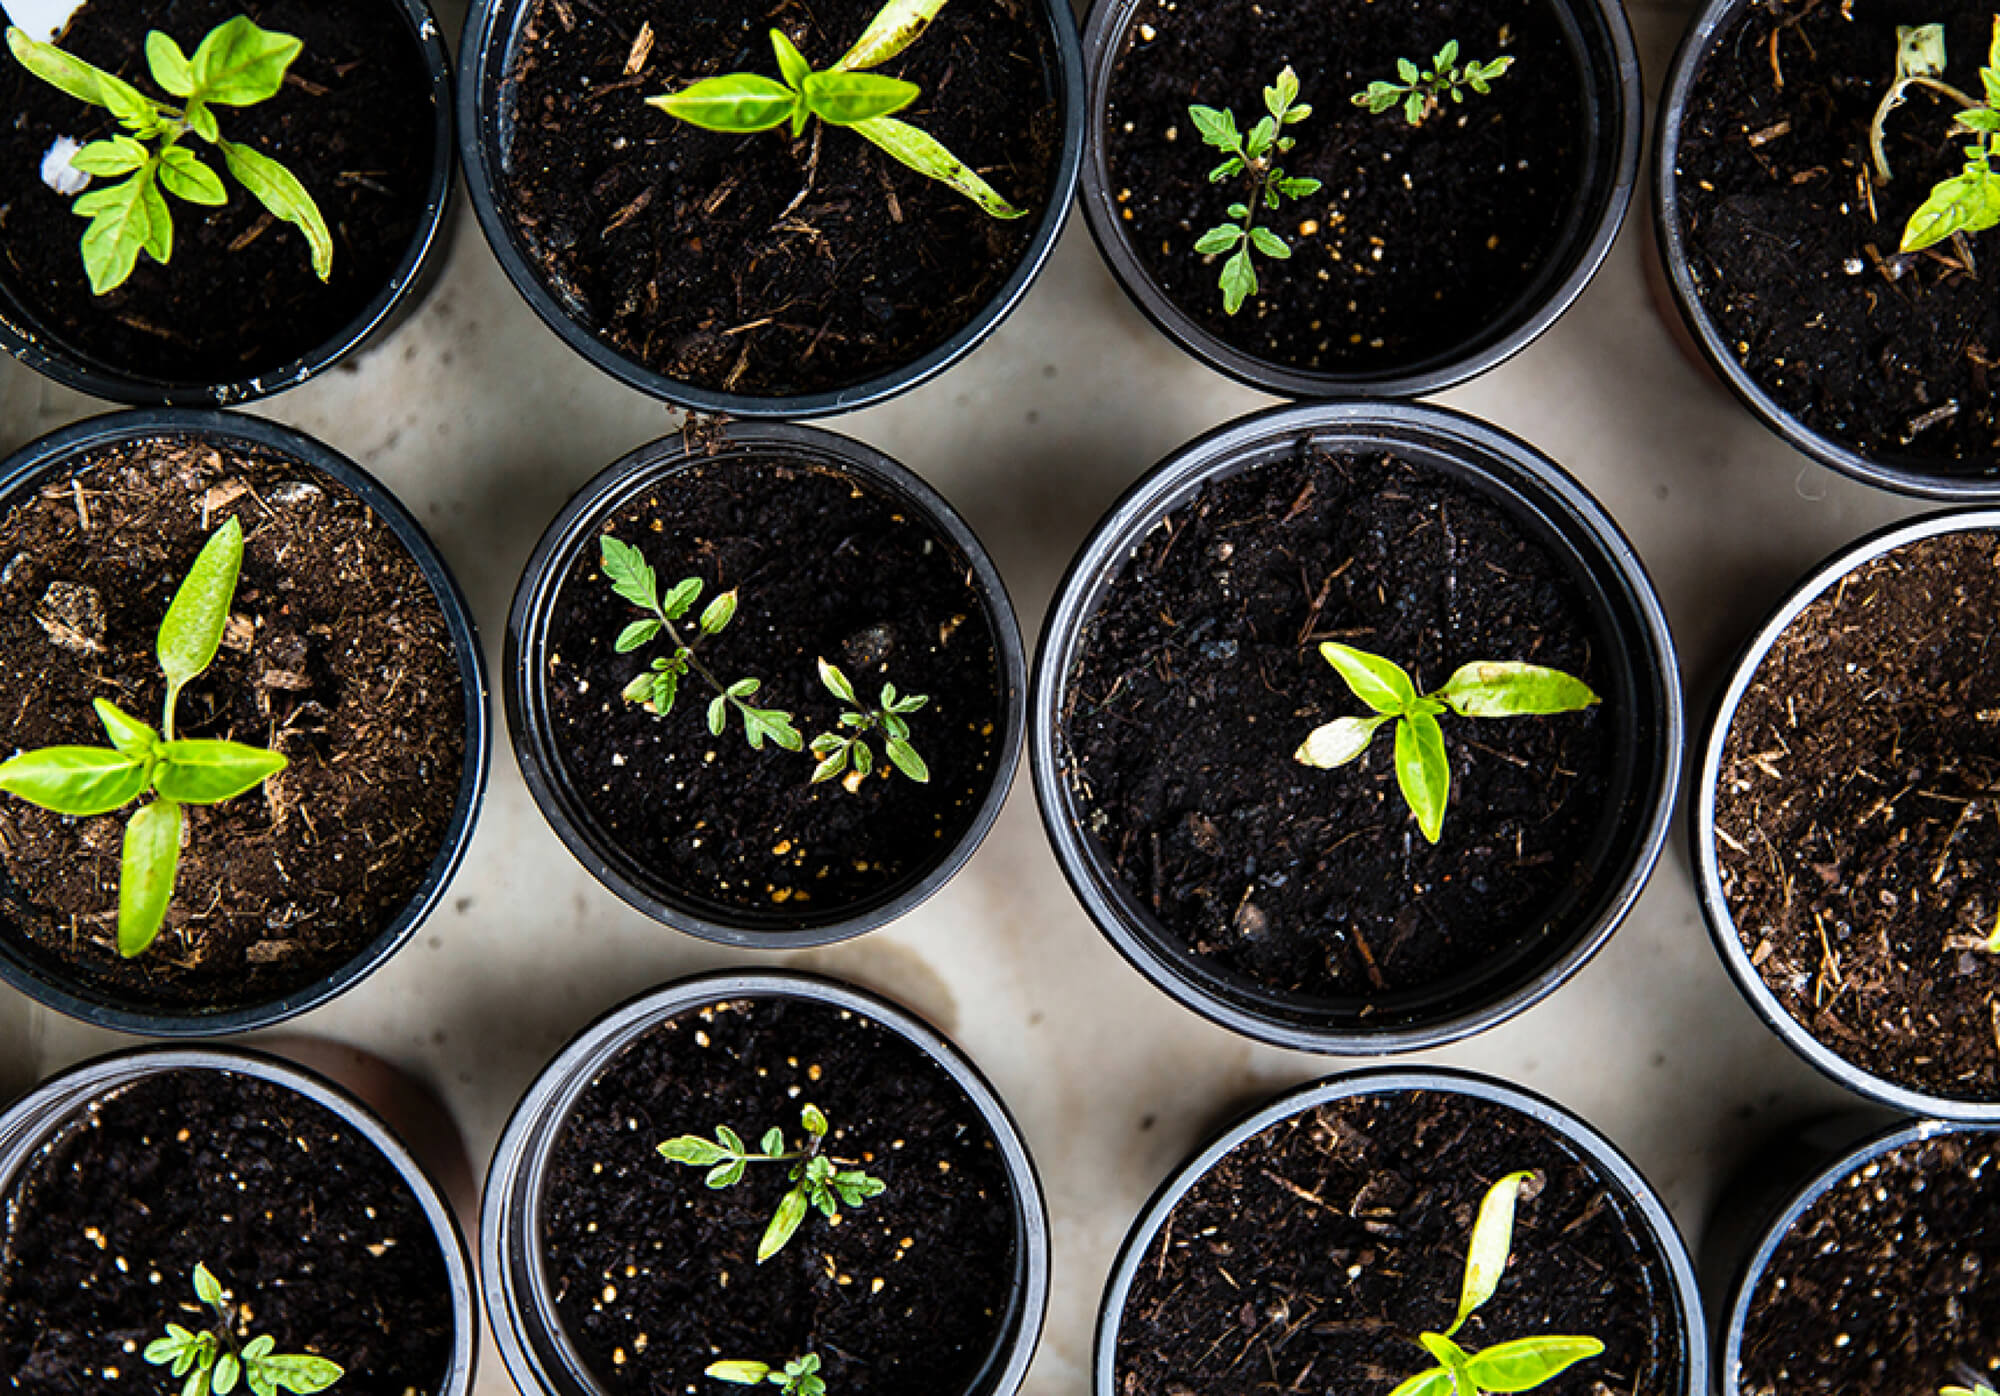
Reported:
(1508, 689)
(791, 1211)
(150, 861)
(843, 99)
(192, 630)
(894, 28)
(1423, 771)
(80, 781)
(239, 64)
(1525, 1363)
(1380, 683)
(742, 1373)
(926, 155)
(1338, 742)
(1492, 1241)
(209, 772)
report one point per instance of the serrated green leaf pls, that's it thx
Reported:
(1217, 128)
(1280, 95)
(122, 218)
(730, 1139)
(692, 1150)
(1380, 683)
(1218, 239)
(771, 723)
(209, 772)
(681, 599)
(161, 1351)
(843, 99)
(1233, 165)
(894, 28)
(280, 192)
(1525, 1363)
(905, 759)
(716, 616)
(666, 688)
(80, 781)
(636, 635)
(1446, 56)
(631, 576)
(1490, 688)
(741, 1373)
(169, 65)
(725, 1175)
(1260, 137)
(784, 1224)
(183, 175)
(1337, 742)
(1270, 244)
(1969, 202)
(192, 630)
(836, 682)
(299, 1372)
(1492, 1240)
(1423, 771)
(927, 156)
(238, 64)
(1981, 119)
(1239, 281)
(743, 688)
(108, 158)
(1413, 109)
(735, 103)
(1408, 71)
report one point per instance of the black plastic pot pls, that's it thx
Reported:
(1708, 872)
(493, 38)
(526, 1324)
(1907, 475)
(1601, 36)
(1680, 1311)
(1643, 698)
(24, 336)
(526, 694)
(52, 983)
(59, 1103)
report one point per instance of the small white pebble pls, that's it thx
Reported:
(58, 173)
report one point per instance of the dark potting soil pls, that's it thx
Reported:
(1855, 817)
(1792, 244)
(822, 567)
(1312, 1255)
(1419, 238)
(656, 1276)
(1885, 1284)
(336, 655)
(354, 122)
(1201, 674)
(763, 264)
(312, 1232)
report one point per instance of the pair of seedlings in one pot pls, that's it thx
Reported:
(817, 1182)
(212, 1361)
(1252, 155)
(1968, 202)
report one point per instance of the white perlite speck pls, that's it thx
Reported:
(58, 173)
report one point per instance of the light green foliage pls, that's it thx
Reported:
(800, 1376)
(1968, 202)
(843, 95)
(888, 716)
(236, 65)
(83, 781)
(816, 1182)
(212, 1362)
(1520, 1365)
(1421, 91)
(1253, 156)
(1976, 1389)
(1485, 688)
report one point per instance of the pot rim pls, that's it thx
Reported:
(509, 1241)
(49, 356)
(1715, 911)
(1627, 606)
(51, 455)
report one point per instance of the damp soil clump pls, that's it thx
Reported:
(823, 567)
(336, 655)
(764, 264)
(1418, 238)
(1314, 1253)
(1884, 1284)
(1855, 816)
(656, 1276)
(1791, 242)
(1200, 675)
(303, 1220)
(354, 122)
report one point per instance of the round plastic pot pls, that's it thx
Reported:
(1708, 869)
(1905, 474)
(27, 339)
(492, 42)
(47, 979)
(1613, 98)
(1643, 696)
(1679, 1309)
(43, 1113)
(519, 1303)
(536, 742)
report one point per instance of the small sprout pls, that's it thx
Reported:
(1421, 91)
(1968, 202)
(843, 95)
(212, 1362)
(1978, 1388)
(1255, 156)
(1485, 688)
(236, 65)
(815, 1180)
(889, 716)
(1520, 1365)
(84, 781)
(800, 1376)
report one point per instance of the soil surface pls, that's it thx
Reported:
(764, 264)
(1792, 241)
(354, 122)
(1201, 674)
(656, 1275)
(1885, 1284)
(821, 567)
(1419, 239)
(313, 1233)
(1312, 1255)
(1856, 818)
(336, 656)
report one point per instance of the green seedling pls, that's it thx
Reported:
(843, 95)
(84, 781)
(815, 1180)
(1968, 202)
(1253, 156)
(1421, 91)
(1976, 1389)
(889, 716)
(1486, 688)
(799, 1377)
(236, 65)
(1520, 1365)
(213, 1362)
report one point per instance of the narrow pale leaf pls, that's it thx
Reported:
(280, 192)
(905, 759)
(924, 154)
(792, 65)
(1492, 1240)
(299, 1372)
(741, 1373)
(80, 781)
(836, 682)
(192, 630)
(150, 861)
(791, 1211)
(895, 27)
(1338, 742)
(1423, 771)
(1492, 688)
(636, 635)
(718, 613)
(72, 75)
